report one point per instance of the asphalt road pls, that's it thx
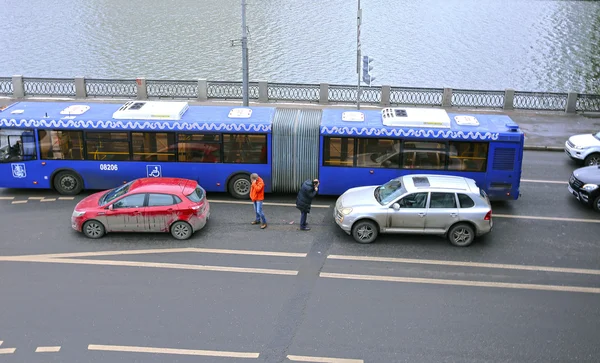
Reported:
(528, 292)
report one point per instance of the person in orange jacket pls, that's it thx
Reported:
(257, 195)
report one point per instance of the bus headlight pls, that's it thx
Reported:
(589, 187)
(346, 211)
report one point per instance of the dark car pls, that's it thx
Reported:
(174, 205)
(584, 184)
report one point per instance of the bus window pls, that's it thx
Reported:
(107, 146)
(61, 145)
(378, 153)
(199, 148)
(153, 146)
(245, 148)
(338, 151)
(424, 155)
(17, 145)
(468, 156)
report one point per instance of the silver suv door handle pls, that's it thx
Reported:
(454, 214)
(421, 214)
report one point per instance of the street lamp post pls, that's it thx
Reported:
(244, 56)
(358, 21)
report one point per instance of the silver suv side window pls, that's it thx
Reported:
(415, 200)
(465, 201)
(442, 200)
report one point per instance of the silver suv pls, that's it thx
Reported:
(449, 206)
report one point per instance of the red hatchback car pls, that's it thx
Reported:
(171, 205)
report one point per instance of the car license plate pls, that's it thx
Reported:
(573, 192)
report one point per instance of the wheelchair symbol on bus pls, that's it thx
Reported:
(18, 170)
(153, 171)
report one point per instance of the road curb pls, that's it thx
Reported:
(543, 148)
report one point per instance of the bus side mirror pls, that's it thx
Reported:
(396, 206)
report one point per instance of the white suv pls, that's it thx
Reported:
(585, 147)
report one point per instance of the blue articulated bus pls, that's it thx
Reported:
(73, 146)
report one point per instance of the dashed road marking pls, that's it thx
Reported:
(66, 198)
(7, 350)
(7, 198)
(514, 216)
(266, 203)
(35, 198)
(47, 349)
(207, 353)
(305, 358)
(18, 202)
(506, 285)
(544, 181)
(48, 200)
(467, 264)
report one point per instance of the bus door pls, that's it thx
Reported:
(17, 147)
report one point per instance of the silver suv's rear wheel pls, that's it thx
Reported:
(461, 235)
(364, 231)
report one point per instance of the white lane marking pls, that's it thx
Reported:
(266, 203)
(506, 285)
(209, 353)
(1, 341)
(48, 200)
(66, 198)
(7, 350)
(7, 198)
(514, 216)
(467, 264)
(160, 250)
(47, 349)
(176, 266)
(35, 198)
(304, 358)
(19, 202)
(544, 181)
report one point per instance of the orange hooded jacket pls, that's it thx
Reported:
(257, 190)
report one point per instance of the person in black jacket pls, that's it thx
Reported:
(307, 192)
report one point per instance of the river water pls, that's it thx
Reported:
(528, 45)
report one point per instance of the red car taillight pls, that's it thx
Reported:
(199, 209)
(488, 216)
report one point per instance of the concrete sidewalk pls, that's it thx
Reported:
(543, 130)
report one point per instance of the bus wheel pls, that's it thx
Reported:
(68, 183)
(239, 186)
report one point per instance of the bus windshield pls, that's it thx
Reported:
(388, 191)
(115, 193)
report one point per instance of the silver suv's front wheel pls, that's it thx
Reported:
(364, 231)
